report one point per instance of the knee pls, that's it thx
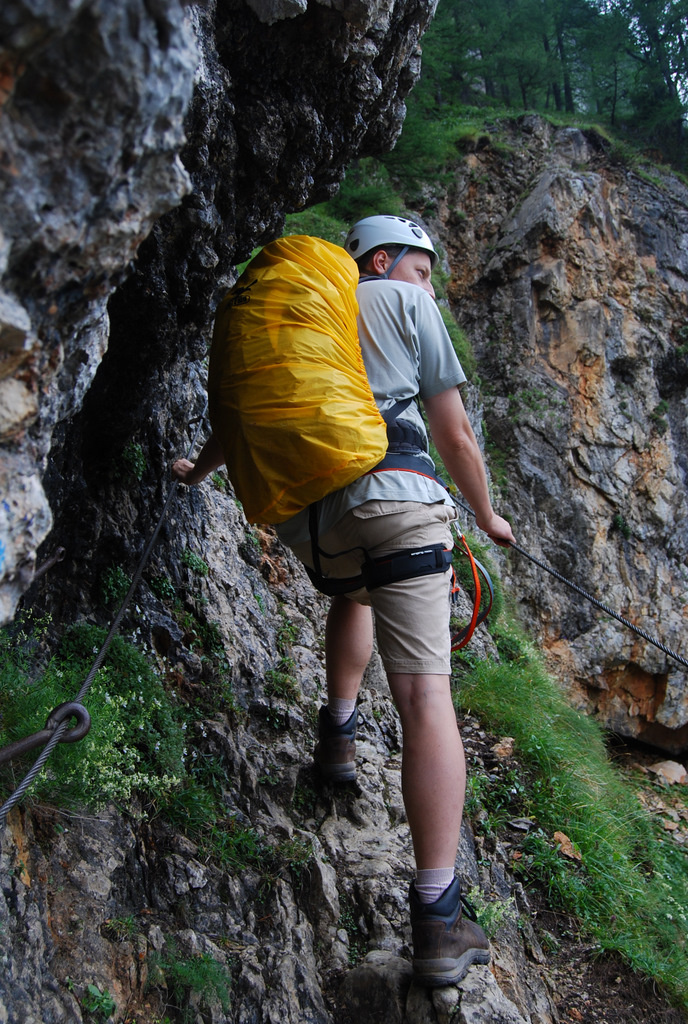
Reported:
(422, 698)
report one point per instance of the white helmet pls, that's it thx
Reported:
(377, 232)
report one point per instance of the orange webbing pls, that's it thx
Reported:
(467, 633)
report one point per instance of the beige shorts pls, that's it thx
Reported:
(411, 616)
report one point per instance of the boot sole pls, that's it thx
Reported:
(448, 970)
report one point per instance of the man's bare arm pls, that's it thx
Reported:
(457, 445)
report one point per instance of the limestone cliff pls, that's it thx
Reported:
(570, 275)
(225, 114)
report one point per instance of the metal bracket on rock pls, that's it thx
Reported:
(58, 556)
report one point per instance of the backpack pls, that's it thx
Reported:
(288, 395)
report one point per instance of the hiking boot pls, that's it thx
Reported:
(446, 938)
(335, 752)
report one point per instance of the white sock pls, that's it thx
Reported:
(430, 883)
(341, 710)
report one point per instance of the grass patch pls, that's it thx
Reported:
(281, 683)
(365, 191)
(231, 842)
(318, 221)
(424, 152)
(629, 890)
(460, 341)
(497, 461)
(200, 635)
(349, 921)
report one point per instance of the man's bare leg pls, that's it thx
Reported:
(446, 941)
(433, 767)
(348, 647)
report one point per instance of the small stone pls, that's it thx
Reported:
(504, 747)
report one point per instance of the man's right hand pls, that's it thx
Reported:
(183, 470)
(497, 529)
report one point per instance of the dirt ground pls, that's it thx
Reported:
(590, 988)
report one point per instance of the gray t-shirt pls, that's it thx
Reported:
(407, 353)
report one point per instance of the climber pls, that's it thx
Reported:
(407, 354)
(408, 357)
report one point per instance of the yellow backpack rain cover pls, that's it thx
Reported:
(288, 394)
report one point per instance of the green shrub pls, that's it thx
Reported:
(657, 417)
(194, 562)
(220, 482)
(99, 1004)
(620, 524)
(199, 633)
(200, 975)
(493, 912)
(133, 460)
(163, 587)
(136, 743)
(114, 585)
(287, 633)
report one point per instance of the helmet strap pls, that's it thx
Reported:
(397, 259)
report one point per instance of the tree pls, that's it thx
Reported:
(660, 92)
(625, 61)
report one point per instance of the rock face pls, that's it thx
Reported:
(570, 277)
(114, 114)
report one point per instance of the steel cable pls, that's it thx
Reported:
(603, 607)
(40, 761)
(589, 597)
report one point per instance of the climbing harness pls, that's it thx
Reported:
(589, 597)
(404, 453)
(56, 728)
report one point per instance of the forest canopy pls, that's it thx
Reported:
(623, 63)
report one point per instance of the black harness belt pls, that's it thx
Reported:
(405, 565)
